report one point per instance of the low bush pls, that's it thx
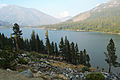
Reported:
(22, 61)
(8, 59)
(35, 54)
(85, 69)
(95, 76)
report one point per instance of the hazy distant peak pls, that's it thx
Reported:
(65, 18)
(13, 6)
(25, 16)
(105, 5)
(114, 1)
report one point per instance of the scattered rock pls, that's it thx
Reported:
(8, 69)
(39, 72)
(27, 74)
(56, 70)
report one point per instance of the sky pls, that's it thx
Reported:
(56, 8)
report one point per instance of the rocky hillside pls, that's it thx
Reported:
(52, 68)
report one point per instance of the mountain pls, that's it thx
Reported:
(5, 24)
(25, 16)
(103, 18)
(65, 18)
(101, 9)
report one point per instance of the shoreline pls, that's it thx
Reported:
(78, 30)
(67, 30)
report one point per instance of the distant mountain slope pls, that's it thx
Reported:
(103, 18)
(101, 10)
(25, 16)
(65, 18)
(5, 24)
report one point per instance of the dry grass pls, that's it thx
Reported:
(66, 65)
(93, 69)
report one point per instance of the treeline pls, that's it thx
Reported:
(104, 21)
(34, 44)
(68, 51)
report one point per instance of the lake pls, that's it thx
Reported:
(94, 42)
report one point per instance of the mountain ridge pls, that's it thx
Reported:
(103, 18)
(4, 24)
(25, 16)
(106, 5)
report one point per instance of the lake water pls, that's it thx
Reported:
(95, 43)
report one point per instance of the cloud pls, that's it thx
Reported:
(64, 14)
(97, 4)
(3, 5)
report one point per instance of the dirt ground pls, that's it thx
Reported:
(12, 75)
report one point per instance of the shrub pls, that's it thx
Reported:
(22, 61)
(35, 54)
(95, 76)
(21, 51)
(8, 59)
(85, 69)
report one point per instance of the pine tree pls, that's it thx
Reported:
(61, 46)
(21, 43)
(72, 53)
(0, 41)
(67, 50)
(11, 41)
(17, 33)
(48, 46)
(76, 54)
(52, 49)
(88, 61)
(84, 56)
(111, 58)
(81, 61)
(56, 50)
(27, 45)
(37, 43)
(33, 42)
(42, 47)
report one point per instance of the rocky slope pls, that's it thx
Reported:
(52, 68)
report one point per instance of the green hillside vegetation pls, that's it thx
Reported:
(107, 20)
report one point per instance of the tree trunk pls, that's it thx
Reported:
(48, 53)
(16, 43)
(109, 68)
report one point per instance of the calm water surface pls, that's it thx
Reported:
(95, 43)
